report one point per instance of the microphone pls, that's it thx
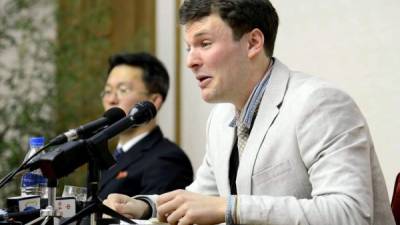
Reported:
(141, 113)
(76, 153)
(84, 131)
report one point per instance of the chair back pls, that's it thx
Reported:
(396, 200)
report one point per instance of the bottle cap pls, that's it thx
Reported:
(36, 141)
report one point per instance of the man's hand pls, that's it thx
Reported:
(127, 206)
(183, 207)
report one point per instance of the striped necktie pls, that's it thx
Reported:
(242, 133)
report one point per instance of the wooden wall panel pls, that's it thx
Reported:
(88, 32)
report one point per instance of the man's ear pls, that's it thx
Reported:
(157, 100)
(255, 42)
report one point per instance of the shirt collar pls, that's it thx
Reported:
(128, 145)
(248, 112)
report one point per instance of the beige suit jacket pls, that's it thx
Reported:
(309, 158)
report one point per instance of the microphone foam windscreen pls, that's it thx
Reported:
(114, 114)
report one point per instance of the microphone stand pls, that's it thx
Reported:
(50, 212)
(94, 207)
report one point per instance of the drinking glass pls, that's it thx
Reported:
(79, 193)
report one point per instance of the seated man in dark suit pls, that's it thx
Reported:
(147, 163)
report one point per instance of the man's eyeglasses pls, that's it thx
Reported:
(121, 91)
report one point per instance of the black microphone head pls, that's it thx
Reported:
(143, 112)
(114, 114)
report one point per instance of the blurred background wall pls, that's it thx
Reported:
(353, 44)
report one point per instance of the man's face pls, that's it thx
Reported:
(124, 88)
(217, 60)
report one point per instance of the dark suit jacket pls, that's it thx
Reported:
(154, 165)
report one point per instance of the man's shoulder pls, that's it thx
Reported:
(167, 147)
(310, 86)
(301, 80)
(300, 84)
(164, 142)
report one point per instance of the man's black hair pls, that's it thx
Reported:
(155, 75)
(241, 15)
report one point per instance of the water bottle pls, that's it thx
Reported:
(34, 183)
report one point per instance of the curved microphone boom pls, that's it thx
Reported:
(76, 153)
(141, 113)
(84, 131)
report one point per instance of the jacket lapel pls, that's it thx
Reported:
(269, 109)
(225, 150)
(132, 155)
